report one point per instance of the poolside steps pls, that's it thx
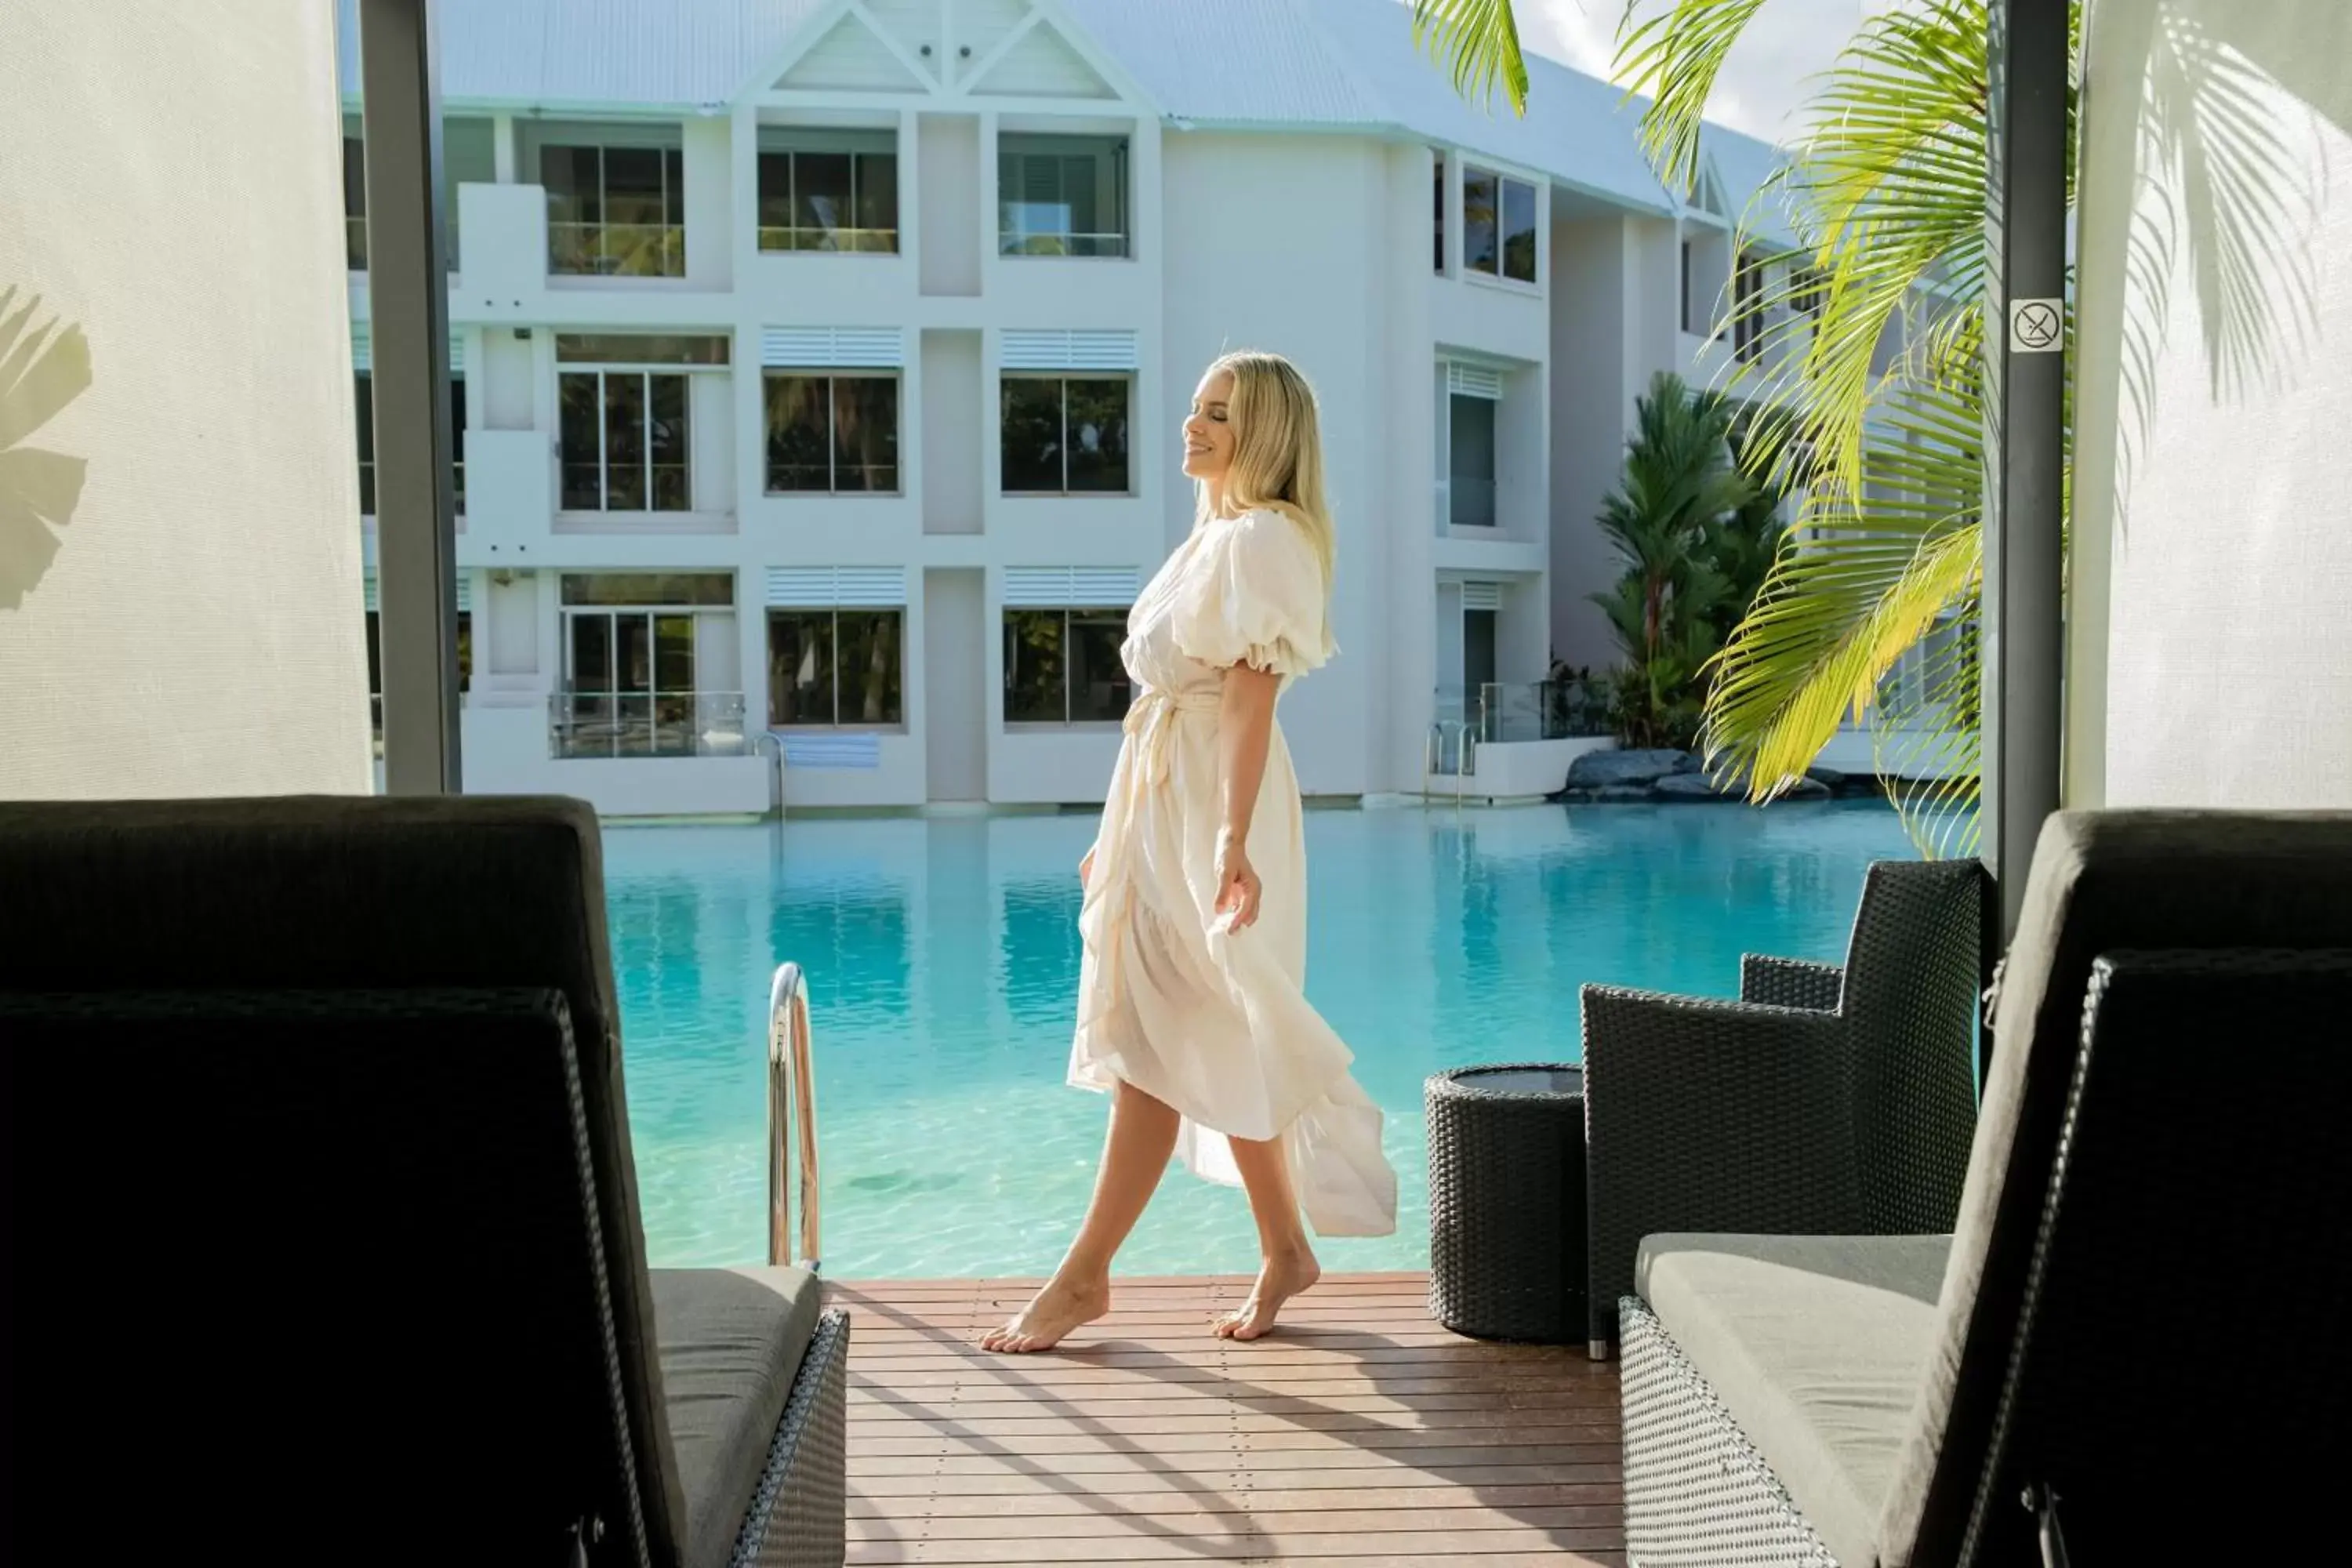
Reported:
(1364, 1435)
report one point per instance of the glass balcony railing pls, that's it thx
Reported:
(1539, 711)
(647, 724)
(1470, 502)
(822, 239)
(615, 249)
(1015, 239)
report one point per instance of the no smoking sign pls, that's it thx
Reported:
(2036, 326)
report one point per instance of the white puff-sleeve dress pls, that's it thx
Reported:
(1216, 1023)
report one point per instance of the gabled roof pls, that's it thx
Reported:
(1294, 64)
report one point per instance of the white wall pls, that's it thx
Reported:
(179, 520)
(1313, 290)
(2211, 629)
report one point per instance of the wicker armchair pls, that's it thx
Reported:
(2158, 1157)
(344, 1257)
(1826, 1101)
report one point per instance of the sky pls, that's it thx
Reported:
(1766, 78)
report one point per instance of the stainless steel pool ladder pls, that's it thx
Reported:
(792, 1120)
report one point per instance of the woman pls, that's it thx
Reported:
(1191, 1014)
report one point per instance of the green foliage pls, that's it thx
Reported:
(1697, 539)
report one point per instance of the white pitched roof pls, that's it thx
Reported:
(1304, 65)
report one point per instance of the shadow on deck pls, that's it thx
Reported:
(1363, 1434)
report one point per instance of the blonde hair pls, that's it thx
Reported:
(1277, 450)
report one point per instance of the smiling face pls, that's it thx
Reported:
(1208, 428)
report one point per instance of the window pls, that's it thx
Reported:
(467, 158)
(1809, 291)
(1747, 317)
(1065, 436)
(632, 650)
(1437, 230)
(363, 397)
(829, 191)
(1498, 226)
(1689, 324)
(354, 202)
(1061, 195)
(616, 212)
(376, 666)
(832, 432)
(363, 401)
(624, 429)
(1062, 667)
(835, 667)
(1470, 461)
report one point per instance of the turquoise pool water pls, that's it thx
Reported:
(943, 960)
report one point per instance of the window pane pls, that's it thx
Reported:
(592, 652)
(1100, 688)
(457, 438)
(1470, 465)
(363, 412)
(1061, 195)
(1520, 230)
(1098, 437)
(580, 419)
(667, 437)
(775, 200)
(1034, 689)
(865, 433)
(674, 653)
(648, 588)
(821, 205)
(674, 189)
(633, 651)
(639, 348)
(465, 649)
(354, 204)
(870, 679)
(633, 185)
(798, 441)
(570, 175)
(624, 443)
(1031, 440)
(1480, 222)
(799, 666)
(375, 655)
(877, 201)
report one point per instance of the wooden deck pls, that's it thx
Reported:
(1361, 1436)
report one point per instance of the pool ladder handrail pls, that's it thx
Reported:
(792, 1120)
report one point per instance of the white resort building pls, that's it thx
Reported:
(820, 368)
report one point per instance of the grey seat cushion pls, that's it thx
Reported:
(731, 1341)
(1816, 1345)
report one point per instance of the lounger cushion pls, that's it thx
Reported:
(1815, 1345)
(2102, 882)
(731, 1342)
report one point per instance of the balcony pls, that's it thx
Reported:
(646, 724)
(578, 249)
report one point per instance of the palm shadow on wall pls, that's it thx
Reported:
(42, 369)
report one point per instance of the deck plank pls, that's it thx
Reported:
(1363, 1436)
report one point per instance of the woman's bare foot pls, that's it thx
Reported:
(1062, 1306)
(1291, 1274)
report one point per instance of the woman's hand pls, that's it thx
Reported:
(1237, 884)
(1087, 869)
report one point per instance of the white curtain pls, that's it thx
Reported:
(2211, 629)
(180, 576)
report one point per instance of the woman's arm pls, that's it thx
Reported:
(1245, 735)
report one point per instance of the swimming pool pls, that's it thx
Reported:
(943, 957)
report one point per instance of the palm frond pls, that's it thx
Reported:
(1477, 42)
(1673, 57)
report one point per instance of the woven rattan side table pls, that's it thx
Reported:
(1507, 1202)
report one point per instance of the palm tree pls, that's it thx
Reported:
(1668, 517)
(1885, 193)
